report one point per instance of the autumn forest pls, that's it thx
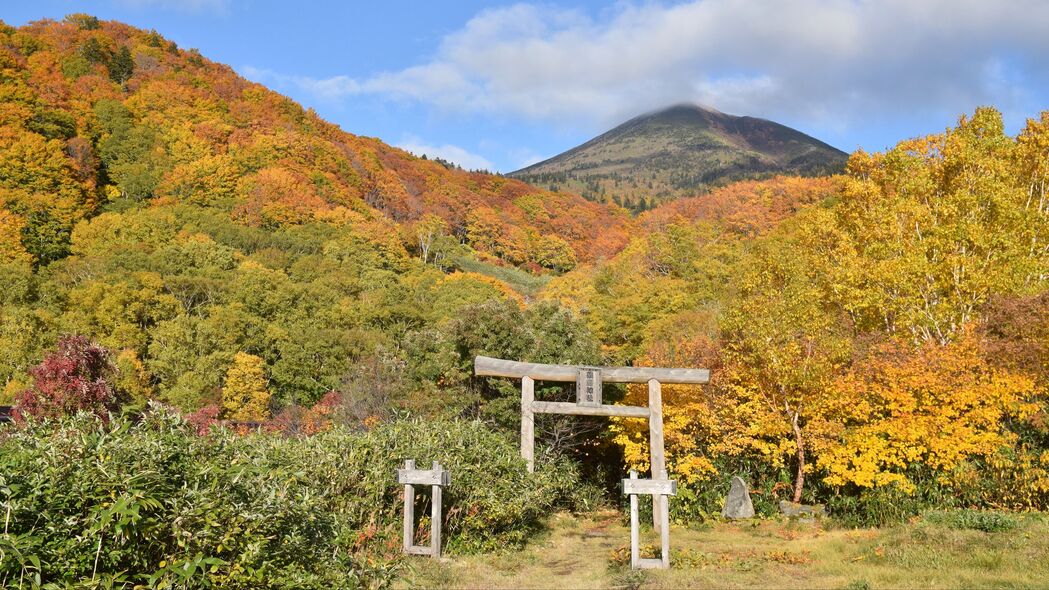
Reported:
(183, 251)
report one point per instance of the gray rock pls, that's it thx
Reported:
(738, 504)
(801, 510)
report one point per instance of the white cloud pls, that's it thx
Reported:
(452, 153)
(262, 75)
(825, 61)
(524, 157)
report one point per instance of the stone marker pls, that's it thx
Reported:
(793, 510)
(737, 503)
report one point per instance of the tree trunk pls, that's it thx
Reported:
(799, 481)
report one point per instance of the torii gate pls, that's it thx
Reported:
(588, 402)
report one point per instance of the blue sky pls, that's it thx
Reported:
(500, 85)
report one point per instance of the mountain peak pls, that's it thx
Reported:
(681, 150)
(683, 109)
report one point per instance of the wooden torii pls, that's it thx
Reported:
(589, 403)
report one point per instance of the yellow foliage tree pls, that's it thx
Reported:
(936, 406)
(573, 290)
(132, 378)
(783, 346)
(691, 429)
(244, 393)
(11, 249)
(941, 223)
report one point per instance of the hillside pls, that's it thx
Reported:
(681, 151)
(188, 220)
(106, 116)
(685, 257)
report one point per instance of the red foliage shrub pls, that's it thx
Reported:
(203, 419)
(286, 422)
(296, 420)
(70, 380)
(1015, 333)
(321, 416)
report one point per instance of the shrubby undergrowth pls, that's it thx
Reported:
(977, 520)
(150, 502)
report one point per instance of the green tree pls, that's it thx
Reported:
(190, 354)
(121, 66)
(94, 51)
(120, 313)
(131, 154)
(45, 238)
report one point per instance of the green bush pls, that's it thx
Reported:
(148, 502)
(873, 508)
(704, 500)
(888, 505)
(977, 520)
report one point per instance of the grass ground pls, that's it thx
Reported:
(524, 283)
(592, 551)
